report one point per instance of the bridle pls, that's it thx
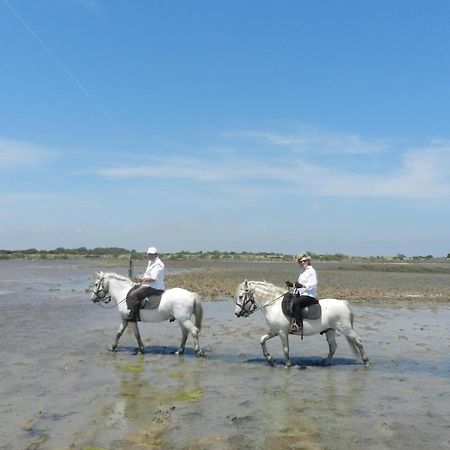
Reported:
(100, 295)
(248, 304)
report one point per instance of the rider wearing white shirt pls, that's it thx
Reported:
(308, 280)
(154, 275)
(305, 292)
(152, 283)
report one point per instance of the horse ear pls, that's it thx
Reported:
(245, 284)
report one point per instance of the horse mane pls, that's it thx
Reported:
(266, 290)
(116, 276)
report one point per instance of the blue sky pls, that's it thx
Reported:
(230, 125)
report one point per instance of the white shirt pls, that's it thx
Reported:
(155, 271)
(309, 280)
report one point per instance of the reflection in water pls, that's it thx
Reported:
(143, 412)
(284, 424)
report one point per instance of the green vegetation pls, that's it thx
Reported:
(122, 253)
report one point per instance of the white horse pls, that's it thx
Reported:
(336, 316)
(175, 303)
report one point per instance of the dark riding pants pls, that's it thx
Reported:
(298, 303)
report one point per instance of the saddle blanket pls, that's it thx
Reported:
(151, 302)
(311, 312)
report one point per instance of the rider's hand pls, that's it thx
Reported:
(299, 285)
(289, 284)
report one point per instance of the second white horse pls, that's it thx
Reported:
(336, 316)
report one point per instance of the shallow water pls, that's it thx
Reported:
(59, 388)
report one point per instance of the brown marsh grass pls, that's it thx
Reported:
(360, 282)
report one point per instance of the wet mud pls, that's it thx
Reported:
(61, 389)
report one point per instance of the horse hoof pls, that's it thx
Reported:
(111, 349)
(200, 354)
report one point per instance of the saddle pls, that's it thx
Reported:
(310, 312)
(151, 302)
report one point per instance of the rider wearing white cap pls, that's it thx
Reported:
(152, 283)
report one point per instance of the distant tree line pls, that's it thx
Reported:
(117, 252)
(61, 253)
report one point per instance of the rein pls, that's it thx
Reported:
(250, 298)
(102, 304)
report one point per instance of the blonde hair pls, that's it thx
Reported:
(303, 255)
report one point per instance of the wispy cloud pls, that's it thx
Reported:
(321, 141)
(409, 173)
(16, 153)
(200, 169)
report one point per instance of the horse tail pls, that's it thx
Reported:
(198, 312)
(353, 339)
(350, 312)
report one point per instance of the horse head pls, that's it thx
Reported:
(244, 300)
(100, 293)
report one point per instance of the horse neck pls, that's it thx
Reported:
(265, 292)
(118, 287)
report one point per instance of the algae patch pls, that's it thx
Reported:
(134, 367)
(188, 395)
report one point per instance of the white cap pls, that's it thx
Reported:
(152, 251)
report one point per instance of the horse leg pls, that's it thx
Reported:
(355, 343)
(184, 335)
(331, 339)
(137, 335)
(120, 331)
(263, 341)
(285, 344)
(186, 327)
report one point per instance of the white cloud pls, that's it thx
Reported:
(16, 153)
(322, 142)
(409, 173)
(200, 169)
(422, 174)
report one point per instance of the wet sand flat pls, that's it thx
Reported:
(61, 389)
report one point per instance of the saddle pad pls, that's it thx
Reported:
(312, 311)
(151, 302)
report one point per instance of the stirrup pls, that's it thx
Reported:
(295, 327)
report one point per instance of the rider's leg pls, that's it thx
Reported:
(298, 303)
(133, 301)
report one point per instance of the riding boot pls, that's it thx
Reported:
(132, 317)
(134, 313)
